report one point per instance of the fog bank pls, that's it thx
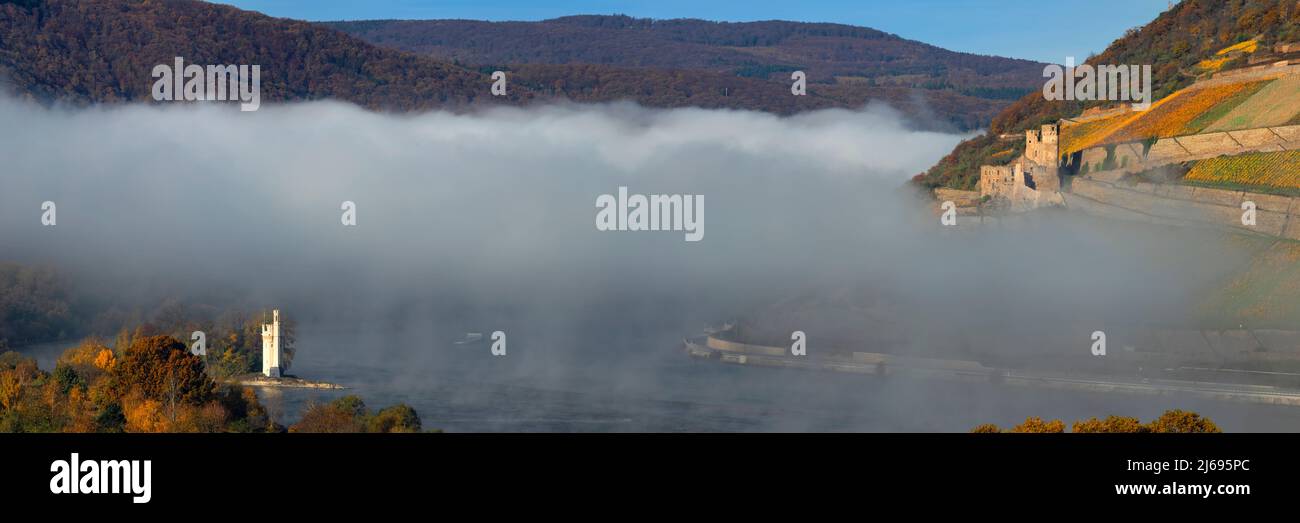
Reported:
(485, 221)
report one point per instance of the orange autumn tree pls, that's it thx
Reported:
(11, 387)
(1183, 421)
(144, 415)
(105, 360)
(1036, 425)
(161, 385)
(1112, 424)
(16, 371)
(161, 368)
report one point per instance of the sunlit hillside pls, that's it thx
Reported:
(1194, 41)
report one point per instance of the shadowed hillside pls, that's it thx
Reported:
(104, 51)
(829, 53)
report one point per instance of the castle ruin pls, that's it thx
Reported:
(1033, 179)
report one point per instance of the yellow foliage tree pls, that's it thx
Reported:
(1036, 425)
(83, 354)
(1112, 424)
(210, 417)
(1184, 422)
(11, 388)
(1171, 421)
(144, 415)
(105, 360)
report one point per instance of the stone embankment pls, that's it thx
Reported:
(1275, 216)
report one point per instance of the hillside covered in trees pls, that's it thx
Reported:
(828, 53)
(1175, 44)
(104, 51)
(36, 305)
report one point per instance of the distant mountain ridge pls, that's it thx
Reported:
(768, 49)
(103, 52)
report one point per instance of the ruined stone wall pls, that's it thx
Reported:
(1045, 178)
(1009, 182)
(996, 181)
(1130, 156)
(958, 197)
(1276, 216)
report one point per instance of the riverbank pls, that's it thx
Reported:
(287, 382)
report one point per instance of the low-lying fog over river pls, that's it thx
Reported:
(486, 222)
(599, 388)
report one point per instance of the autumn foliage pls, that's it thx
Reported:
(154, 385)
(1036, 425)
(160, 368)
(350, 414)
(1172, 421)
(1186, 112)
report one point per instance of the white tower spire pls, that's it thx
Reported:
(271, 346)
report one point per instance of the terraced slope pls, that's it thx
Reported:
(1275, 104)
(1266, 172)
(1189, 111)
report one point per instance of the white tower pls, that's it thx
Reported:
(271, 346)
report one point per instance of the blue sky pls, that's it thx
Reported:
(1044, 30)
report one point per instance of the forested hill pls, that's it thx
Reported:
(828, 53)
(104, 51)
(1175, 44)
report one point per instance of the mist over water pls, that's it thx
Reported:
(485, 221)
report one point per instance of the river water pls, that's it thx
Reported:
(645, 383)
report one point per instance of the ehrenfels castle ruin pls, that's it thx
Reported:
(1107, 168)
(1031, 181)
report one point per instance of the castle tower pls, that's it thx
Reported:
(271, 346)
(1042, 146)
(1031, 142)
(1050, 147)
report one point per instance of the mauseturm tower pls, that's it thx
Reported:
(271, 346)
